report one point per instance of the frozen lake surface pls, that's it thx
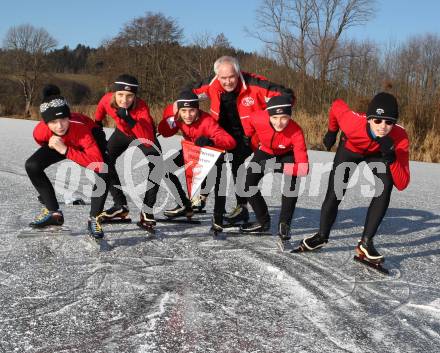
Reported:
(185, 292)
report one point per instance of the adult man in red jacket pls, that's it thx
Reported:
(374, 137)
(203, 130)
(234, 95)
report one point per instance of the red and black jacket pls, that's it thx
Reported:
(205, 125)
(81, 146)
(253, 93)
(279, 143)
(357, 139)
(144, 127)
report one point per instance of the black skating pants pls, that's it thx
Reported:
(239, 155)
(337, 186)
(45, 157)
(119, 143)
(253, 177)
(176, 161)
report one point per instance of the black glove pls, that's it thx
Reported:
(203, 141)
(99, 136)
(125, 115)
(329, 139)
(386, 144)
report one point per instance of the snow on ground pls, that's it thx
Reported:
(185, 292)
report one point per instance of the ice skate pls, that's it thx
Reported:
(48, 218)
(147, 222)
(198, 203)
(365, 249)
(367, 255)
(217, 227)
(179, 211)
(94, 228)
(312, 243)
(239, 215)
(256, 228)
(115, 214)
(283, 241)
(96, 234)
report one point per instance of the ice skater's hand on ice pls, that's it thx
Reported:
(57, 144)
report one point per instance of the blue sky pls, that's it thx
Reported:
(89, 22)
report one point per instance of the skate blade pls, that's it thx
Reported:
(360, 254)
(217, 235)
(115, 220)
(285, 245)
(260, 233)
(297, 250)
(232, 226)
(149, 229)
(195, 210)
(178, 220)
(100, 244)
(50, 231)
(239, 232)
(301, 248)
(373, 265)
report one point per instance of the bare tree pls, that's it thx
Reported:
(304, 34)
(330, 18)
(205, 49)
(145, 44)
(27, 47)
(415, 67)
(152, 28)
(283, 26)
(221, 42)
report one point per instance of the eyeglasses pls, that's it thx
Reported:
(379, 121)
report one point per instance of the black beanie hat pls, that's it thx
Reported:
(279, 105)
(54, 106)
(187, 99)
(126, 83)
(383, 106)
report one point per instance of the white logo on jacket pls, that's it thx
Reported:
(247, 101)
(281, 146)
(171, 122)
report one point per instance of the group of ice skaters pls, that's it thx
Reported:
(249, 115)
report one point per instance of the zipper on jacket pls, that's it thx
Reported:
(365, 151)
(271, 140)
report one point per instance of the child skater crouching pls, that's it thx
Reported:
(202, 129)
(282, 141)
(65, 135)
(134, 124)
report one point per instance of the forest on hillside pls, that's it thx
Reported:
(305, 49)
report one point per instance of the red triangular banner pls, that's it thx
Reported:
(198, 163)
